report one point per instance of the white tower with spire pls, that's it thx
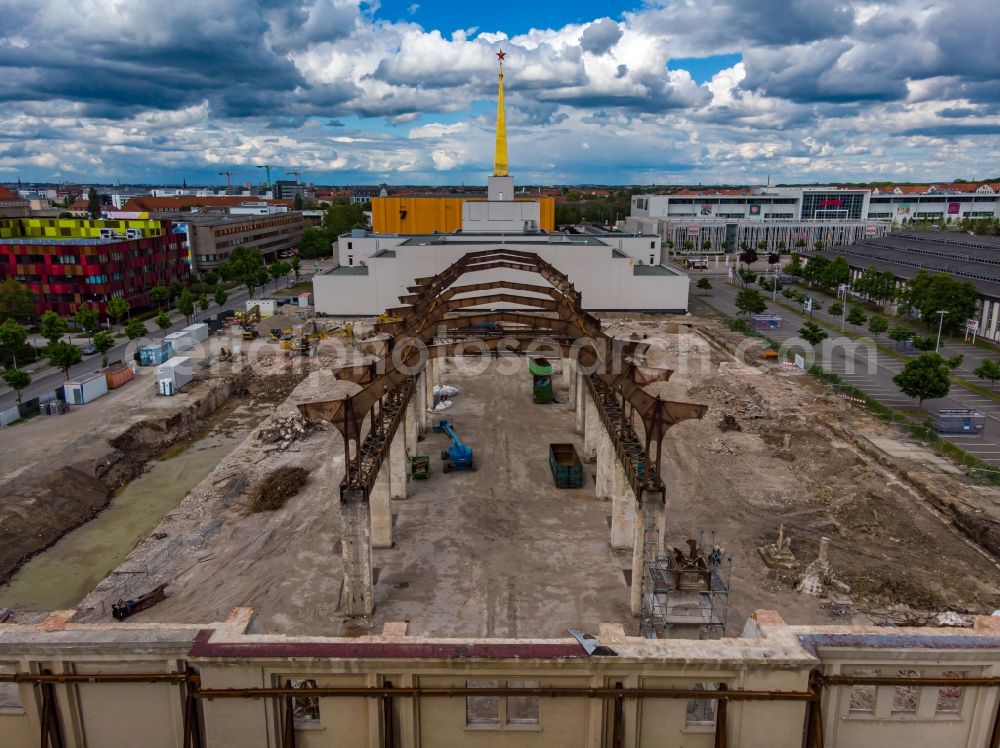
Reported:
(500, 212)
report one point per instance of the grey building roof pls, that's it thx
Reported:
(652, 270)
(346, 270)
(904, 256)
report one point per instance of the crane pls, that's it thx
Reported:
(268, 168)
(299, 173)
(229, 181)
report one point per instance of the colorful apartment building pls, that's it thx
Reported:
(68, 262)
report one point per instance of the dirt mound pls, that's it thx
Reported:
(277, 488)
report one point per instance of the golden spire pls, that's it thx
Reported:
(500, 158)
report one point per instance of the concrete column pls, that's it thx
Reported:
(355, 543)
(410, 427)
(622, 510)
(592, 430)
(420, 394)
(635, 596)
(569, 379)
(565, 372)
(580, 407)
(381, 509)
(397, 464)
(604, 472)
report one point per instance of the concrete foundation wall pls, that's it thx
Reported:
(770, 657)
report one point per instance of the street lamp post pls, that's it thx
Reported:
(940, 312)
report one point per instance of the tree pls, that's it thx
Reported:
(820, 244)
(814, 269)
(93, 203)
(749, 301)
(104, 341)
(159, 294)
(250, 281)
(925, 378)
(748, 256)
(16, 300)
(279, 270)
(13, 336)
(835, 273)
(704, 284)
(162, 321)
(62, 355)
(877, 324)
(317, 243)
(135, 329)
(52, 327)
(203, 303)
(17, 380)
(294, 264)
(297, 202)
(989, 370)
(242, 261)
(185, 305)
(812, 333)
(86, 319)
(899, 333)
(857, 316)
(836, 309)
(762, 245)
(794, 267)
(118, 308)
(220, 296)
(211, 278)
(706, 245)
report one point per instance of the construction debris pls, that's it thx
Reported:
(284, 430)
(277, 488)
(778, 555)
(729, 423)
(818, 578)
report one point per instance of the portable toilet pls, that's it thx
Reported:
(85, 388)
(173, 375)
(305, 299)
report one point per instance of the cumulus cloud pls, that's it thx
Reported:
(856, 88)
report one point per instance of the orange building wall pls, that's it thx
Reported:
(425, 215)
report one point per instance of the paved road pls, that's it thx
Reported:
(875, 380)
(45, 379)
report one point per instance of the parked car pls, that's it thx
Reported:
(89, 349)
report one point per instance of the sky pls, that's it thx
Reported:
(365, 92)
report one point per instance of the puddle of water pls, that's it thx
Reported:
(61, 576)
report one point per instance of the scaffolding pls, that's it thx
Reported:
(686, 590)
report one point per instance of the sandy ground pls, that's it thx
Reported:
(501, 552)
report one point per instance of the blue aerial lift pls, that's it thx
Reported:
(458, 456)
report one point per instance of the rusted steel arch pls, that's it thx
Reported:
(417, 303)
(484, 259)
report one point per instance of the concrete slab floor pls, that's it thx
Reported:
(500, 551)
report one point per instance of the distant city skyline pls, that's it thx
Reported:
(661, 91)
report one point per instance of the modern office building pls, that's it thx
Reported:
(212, 236)
(68, 262)
(780, 217)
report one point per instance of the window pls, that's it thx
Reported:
(501, 713)
(701, 712)
(652, 245)
(305, 709)
(904, 698)
(10, 694)
(863, 697)
(949, 698)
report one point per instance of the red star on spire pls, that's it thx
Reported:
(501, 54)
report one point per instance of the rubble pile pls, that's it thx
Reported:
(725, 401)
(277, 488)
(282, 431)
(722, 447)
(687, 345)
